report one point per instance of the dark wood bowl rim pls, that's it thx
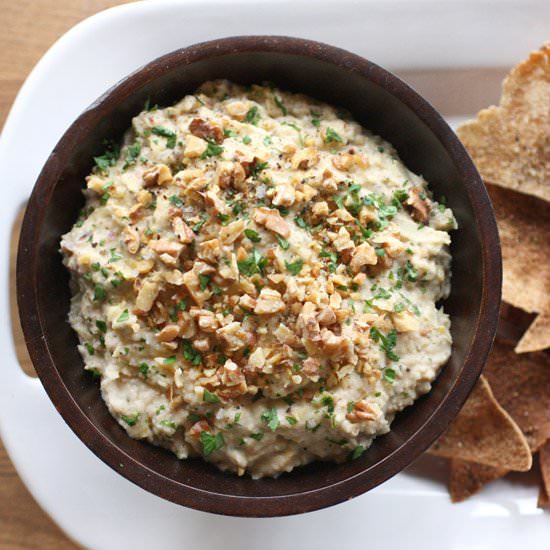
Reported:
(325, 495)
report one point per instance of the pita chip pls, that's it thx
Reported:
(510, 144)
(524, 228)
(483, 432)
(467, 478)
(544, 463)
(537, 336)
(521, 385)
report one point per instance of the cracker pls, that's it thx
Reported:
(483, 432)
(510, 144)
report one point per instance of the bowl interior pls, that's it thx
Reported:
(368, 95)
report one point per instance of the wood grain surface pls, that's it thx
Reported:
(29, 28)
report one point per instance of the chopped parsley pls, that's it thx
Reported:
(169, 424)
(247, 140)
(101, 325)
(144, 369)
(132, 154)
(124, 316)
(271, 418)
(211, 442)
(176, 201)
(328, 402)
(387, 343)
(333, 257)
(255, 263)
(168, 134)
(283, 243)
(170, 360)
(257, 436)
(130, 420)
(253, 116)
(331, 136)
(294, 267)
(212, 149)
(204, 280)
(99, 293)
(280, 104)
(389, 375)
(252, 235)
(411, 272)
(89, 348)
(357, 452)
(108, 159)
(190, 353)
(210, 397)
(292, 420)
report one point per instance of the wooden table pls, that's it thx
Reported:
(29, 28)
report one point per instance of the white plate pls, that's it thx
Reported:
(102, 510)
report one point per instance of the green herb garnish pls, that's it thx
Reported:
(168, 134)
(294, 267)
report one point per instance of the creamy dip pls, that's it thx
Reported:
(255, 280)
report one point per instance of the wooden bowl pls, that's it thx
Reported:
(380, 102)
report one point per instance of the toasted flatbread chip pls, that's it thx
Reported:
(544, 463)
(484, 432)
(544, 500)
(524, 228)
(521, 384)
(537, 336)
(510, 144)
(467, 478)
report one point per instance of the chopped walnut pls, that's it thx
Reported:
(269, 302)
(206, 320)
(131, 239)
(256, 360)
(310, 368)
(326, 317)
(199, 427)
(232, 374)
(232, 231)
(231, 174)
(285, 194)
(228, 269)
(209, 251)
(307, 323)
(214, 203)
(194, 147)
(404, 321)
(419, 207)
(305, 158)
(272, 220)
(233, 336)
(237, 109)
(361, 411)
(168, 333)
(364, 254)
(166, 246)
(205, 130)
(159, 174)
(147, 295)
(319, 211)
(342, 241)
(182, 231)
